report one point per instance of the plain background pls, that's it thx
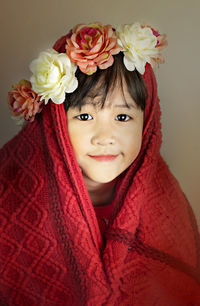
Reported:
(28, 27)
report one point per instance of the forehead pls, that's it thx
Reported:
(118, 95)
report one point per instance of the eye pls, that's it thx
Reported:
(122, 117)
(84, 117)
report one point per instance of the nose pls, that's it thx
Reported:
(103, 136)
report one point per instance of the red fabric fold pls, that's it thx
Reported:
(51, 248)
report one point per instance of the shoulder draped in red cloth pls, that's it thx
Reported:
(51, 248)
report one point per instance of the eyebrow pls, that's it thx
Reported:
(126, 106)
(116, 106)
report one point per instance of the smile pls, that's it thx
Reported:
(103, 158)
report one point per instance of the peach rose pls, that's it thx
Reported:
(23, 102)
(92, 45)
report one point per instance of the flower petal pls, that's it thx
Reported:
(94, 43)
(53, 76)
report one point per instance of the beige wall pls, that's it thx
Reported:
(28, 27)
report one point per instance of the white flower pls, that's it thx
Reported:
(139, 45)
(53, 76)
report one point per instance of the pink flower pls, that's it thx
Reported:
(161, 44)
(92, 45)
(23, 101)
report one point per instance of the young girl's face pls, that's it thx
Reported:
(106, 140)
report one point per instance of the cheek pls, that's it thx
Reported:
(132, 143)
(73, 135)
(79, 141)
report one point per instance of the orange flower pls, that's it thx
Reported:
(92, 45)
(23, 101)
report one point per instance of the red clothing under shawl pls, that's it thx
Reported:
(51, 248)
(103, 214)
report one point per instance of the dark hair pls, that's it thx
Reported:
(102, 81)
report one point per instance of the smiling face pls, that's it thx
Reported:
(106, 140)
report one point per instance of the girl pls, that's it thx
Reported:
(90, 213)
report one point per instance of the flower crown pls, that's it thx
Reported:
(87, 47)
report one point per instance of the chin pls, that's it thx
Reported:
(103, 179)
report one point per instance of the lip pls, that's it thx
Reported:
(103, 158)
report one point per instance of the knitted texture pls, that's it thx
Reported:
(51, 248)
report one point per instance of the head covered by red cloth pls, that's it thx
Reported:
(52, 251)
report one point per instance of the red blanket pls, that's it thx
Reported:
(51, 248)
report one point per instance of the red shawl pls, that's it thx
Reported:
(51, 248)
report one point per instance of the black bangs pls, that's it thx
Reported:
(95, 88)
